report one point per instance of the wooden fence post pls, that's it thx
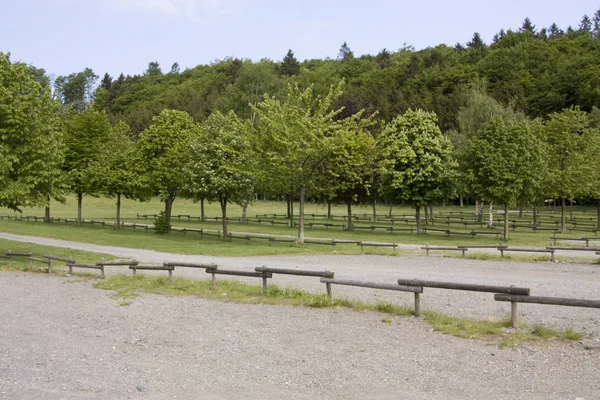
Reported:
(514, 314)
(417, 304)
(264, 282)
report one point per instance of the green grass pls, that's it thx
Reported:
(58, 267)
(127, 288)
(100, 208)
(499, 331)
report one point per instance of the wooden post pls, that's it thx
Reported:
(133, 270)
(514, 314)
(213, 282)
(170, 276)
(49, 266)
(552, 255)
(328, 286)
(417, 304)
(265, 288)
(70, 264)
(101, 270)
(427, 249)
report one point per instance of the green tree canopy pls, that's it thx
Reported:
(31, 145)
(416, 160)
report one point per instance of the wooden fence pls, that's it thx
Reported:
(511, 294)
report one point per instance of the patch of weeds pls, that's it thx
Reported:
(465, 328)
(386, 320)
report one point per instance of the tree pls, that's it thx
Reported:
(290, 65)
(76, 90)
(175, 68)
(113, 173)
(85, 136)
(162, 154)
(503, 158)
(416, 159)
(528, 26)
(106, 81)
(563, 134)
(31, 145)
(222, 163)
(384, 58)
(297, 136)
(345, 53)
(153, 69)
(346, 176)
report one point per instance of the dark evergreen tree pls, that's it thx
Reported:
(175, 68)
(596, 28)
(345, 53)
(106, 81)
(290, 65)
(586, 25)
(555, 31)
(153, 68)
(528, 27)
(384, 58)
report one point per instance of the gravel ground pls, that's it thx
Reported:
(62, 339)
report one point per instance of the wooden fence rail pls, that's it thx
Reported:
(514, 299)
(465, 286)
(385, 286)
(298, 272)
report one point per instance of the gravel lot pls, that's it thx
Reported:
(62, 339)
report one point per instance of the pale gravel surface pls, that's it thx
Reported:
(60, 338)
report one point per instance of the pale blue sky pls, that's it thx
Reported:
(114, 36)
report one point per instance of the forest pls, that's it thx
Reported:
(515, 122)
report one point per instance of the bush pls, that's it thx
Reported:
(162, 224)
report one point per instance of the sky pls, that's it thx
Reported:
(114, 36)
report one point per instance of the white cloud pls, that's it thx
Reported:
(195, 10)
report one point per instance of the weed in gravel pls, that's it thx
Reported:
(386, 320)
(465, 328)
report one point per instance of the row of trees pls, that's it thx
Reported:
(302, 146)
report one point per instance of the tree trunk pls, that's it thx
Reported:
(47, 210)
(301, 220)
(431, 215)
(570, 209)
(535, 222)
(461, 199)
(118, 222)
(418, 218)
(521, 205)
(202, 209)
(491, 215)
(598, 211)
(426, 216)
(563, 222)
(244, 212)
(390, 213)
(289, 211)
(328, 209)
(374, 204)
(349, 216)
(478, 211)
(79, 201)
(505, 221)
(223, 201)
(168, 207)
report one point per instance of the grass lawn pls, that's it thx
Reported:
(100, 208)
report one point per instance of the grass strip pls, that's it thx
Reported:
(127, 288)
